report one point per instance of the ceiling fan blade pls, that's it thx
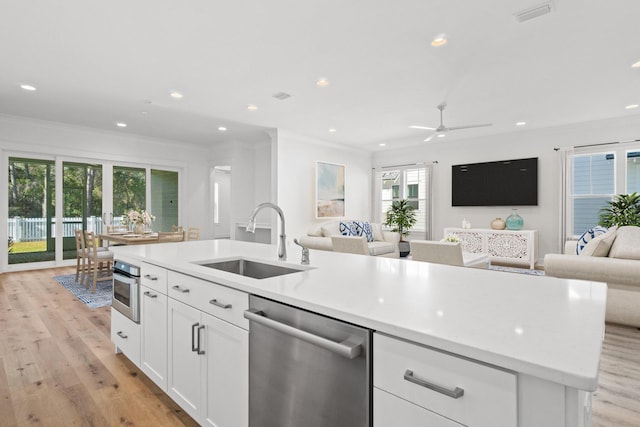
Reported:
(422, 127)
(430, 137)
(469, 126)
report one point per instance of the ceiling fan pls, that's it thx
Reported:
(442, 128)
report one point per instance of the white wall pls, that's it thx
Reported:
(296, 174)
(521, 144)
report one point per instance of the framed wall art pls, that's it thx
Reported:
(329, 190)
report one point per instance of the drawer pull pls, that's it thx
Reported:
(219, 304)
(179, 289)
(150, 295)
(150, 277)
(122, 335)
(456, 393)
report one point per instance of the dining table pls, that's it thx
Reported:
(128, 238)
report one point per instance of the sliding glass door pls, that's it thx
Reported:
(82, 203)
(31, 210)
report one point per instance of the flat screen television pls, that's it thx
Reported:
(501, 183)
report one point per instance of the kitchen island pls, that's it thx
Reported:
(545, 333)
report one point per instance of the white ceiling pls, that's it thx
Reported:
(98, 62)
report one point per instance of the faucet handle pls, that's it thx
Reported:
(305, 252)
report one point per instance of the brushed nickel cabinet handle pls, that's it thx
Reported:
(150, 295)
(122, 335)
(456, 393)
(200, 328)
(179, 289)
(193, 336)
(219, 304)
(150, 277)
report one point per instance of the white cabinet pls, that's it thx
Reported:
(208, 356)
(153, 322)
(508, 246)
(461, 390)
(391, 411)
(125, 334)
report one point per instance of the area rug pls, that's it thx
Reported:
(101, 298)
(517, 270)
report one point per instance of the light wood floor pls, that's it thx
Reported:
(57, 366)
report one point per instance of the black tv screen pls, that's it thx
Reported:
(502, 183)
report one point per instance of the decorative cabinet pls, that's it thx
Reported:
(507, 246)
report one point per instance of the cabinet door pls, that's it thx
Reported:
(153, 319)
(227, 373)
(185, 365)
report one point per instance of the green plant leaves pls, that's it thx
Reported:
(401, 217)
(623, 210)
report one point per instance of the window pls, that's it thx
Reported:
(593, 186)
(164, 199)
(405, 183)
(633, 172)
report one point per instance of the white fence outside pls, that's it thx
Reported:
(35, 229)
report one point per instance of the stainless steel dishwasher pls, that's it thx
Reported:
(306, 369)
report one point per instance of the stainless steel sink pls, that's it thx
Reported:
(254, 269)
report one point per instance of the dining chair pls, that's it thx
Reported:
(81, 256)
(100, 262)
(350, 244)
(193, 233)
(175, 228)
(170, 236)
(437, 252)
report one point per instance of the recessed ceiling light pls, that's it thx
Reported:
(144, 113)
(121, 124)
(332, 130)
(521, 123)
(636, 65)
(322, 82)
(631, 107)
(175, 94)
(222, 128)
(382, 144)
(442, 135)
(252, 107)
(439, 40)
(28, 87)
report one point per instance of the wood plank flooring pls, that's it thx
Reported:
(58, 367)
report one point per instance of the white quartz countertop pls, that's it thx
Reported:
(541, 326)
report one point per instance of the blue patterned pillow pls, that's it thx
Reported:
(587, 236)
(363, 228)
(347, 229)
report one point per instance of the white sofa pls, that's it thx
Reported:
(318, 236)
(619, 267)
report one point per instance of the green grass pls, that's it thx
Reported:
(24, 247)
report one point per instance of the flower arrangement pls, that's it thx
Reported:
(451, 238)
(137, 216)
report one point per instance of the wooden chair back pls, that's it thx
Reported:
(193, 233)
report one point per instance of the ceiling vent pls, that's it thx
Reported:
(281, 96)
(533, 12)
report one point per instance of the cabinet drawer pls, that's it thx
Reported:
(220, 301)
(391, 411)
(488, 397)
(125, 334)
(154, 277)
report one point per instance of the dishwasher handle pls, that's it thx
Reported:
(345, 349)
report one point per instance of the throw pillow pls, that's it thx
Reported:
(363, 228)
(591, 233)
(346, 228)
(378, 234)
(600, 245)
(627, 243)
(331, 229)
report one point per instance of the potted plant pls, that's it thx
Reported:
(401, 217)
(623, 210)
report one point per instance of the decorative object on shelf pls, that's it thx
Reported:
(498, 224)
(401, 217)
(623, 210)
(140, 219)
(451, 238)
(514, 221)
(466, 223)
(329, 190)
